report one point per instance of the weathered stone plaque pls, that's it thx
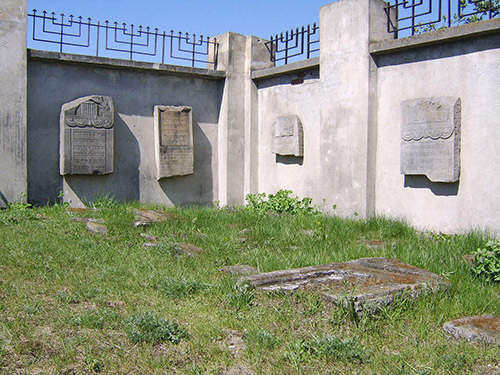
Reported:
(173, 141)
(87, 136)
(288, 136)
(430, 138)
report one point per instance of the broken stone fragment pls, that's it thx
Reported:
(362, 285)
(95, 228)
(146, 217)
(190, 249)
(80, 219)
(482, 329)
(240, 269)
(374, 244)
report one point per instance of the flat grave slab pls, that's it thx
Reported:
(482, 329)
(365, 284)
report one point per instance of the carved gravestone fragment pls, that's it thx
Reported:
(87, 136)
(173, 141)
(430, 138)
(288, 136)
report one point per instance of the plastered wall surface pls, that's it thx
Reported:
(135, 93)
(12, 101)
(469, 70)
(278, 97)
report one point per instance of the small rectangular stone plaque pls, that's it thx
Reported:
(87, 136)
(173, 141)
(288, 136)
(430, 138)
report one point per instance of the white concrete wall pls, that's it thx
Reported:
(469, 70)
(278, 97)
(135, 91)
(13, 81)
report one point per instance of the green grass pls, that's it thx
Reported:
(75, 303)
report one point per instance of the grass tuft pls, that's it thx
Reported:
(148, 327)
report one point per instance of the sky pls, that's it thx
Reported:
(261, 18)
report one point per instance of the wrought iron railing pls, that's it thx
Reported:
(74, 34)
(410, 17)
(294, 45)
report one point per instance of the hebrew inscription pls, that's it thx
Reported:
(288, 136)
(173, 141)
(430, 138)
(87, 136)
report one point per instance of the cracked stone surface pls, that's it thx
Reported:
(363, 285)
(240, 269)
(95, 228)
(146, 217)
(484, 329)
(189, 249)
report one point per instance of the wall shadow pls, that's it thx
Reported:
(195, 189)
(438, 51)
(289, 159)
(123, 183)
(437, 188)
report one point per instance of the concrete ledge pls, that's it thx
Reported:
(285, 69)
(126, 64)
(472, 30)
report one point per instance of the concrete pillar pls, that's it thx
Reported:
(13, 112)
(239, 55)
(348, 103)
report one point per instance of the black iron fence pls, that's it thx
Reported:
(294, 44)
(74, 34)
(410, 17)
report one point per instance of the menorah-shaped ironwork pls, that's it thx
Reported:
(122, 39)
(298, 42)
(418, 16)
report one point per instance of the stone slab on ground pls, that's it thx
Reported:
(364, 285)
(240, 269)
(189, 249)
(95, 228)
(79, 219)
(146, 217)
(483, 329)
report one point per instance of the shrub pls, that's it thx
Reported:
(279, 203)
(147, 327)
(487, 261)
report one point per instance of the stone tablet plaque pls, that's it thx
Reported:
(87, 136)
(430, 138)
(173, 141)
(288, 136)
